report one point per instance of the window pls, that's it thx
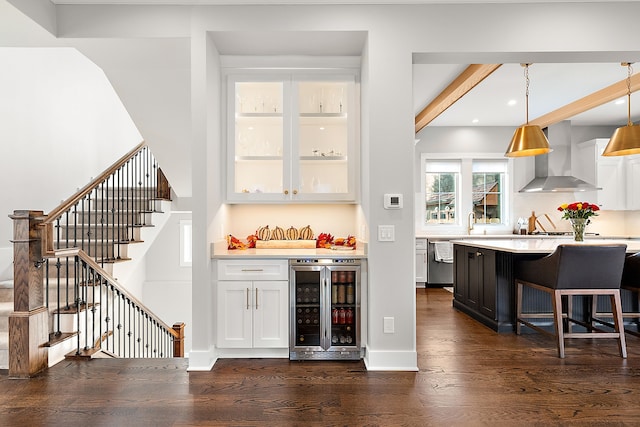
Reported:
(487, 191)
(441, 192)
(453, 188)
(185, 243)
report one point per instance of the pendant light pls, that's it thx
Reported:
(626, 139)
(528, 140)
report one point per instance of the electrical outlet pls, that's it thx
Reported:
(389, 325)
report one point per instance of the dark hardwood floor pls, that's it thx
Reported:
(469, 375)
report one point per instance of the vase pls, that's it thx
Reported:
(578, 225)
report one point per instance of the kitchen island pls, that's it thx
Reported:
(484, 276)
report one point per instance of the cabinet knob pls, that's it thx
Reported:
(295, 191)
(286, 191)
(478, 253)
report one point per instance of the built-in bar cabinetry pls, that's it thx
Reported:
(252, 300)
(292, 138)
(615, 175)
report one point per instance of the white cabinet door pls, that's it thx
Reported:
(253, 314)
(270, 314)
(633, 178)
(611, 177)
(324, 148)
(607, 173)
(234, 314)
(291, 138)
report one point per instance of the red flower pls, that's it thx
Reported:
(574, 210)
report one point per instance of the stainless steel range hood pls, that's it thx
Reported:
(547, 179)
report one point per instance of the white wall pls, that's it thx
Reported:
(62, 124)
(167, 289)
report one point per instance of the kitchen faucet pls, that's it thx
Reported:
(471, 219)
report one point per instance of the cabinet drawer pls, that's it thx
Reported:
(253, 269)
(421, 244)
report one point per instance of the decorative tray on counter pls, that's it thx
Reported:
(285, 244)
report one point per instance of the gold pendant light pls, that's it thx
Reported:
(626, 139)
(528, 140)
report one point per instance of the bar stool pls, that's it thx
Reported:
(574, 269)
(630, 282)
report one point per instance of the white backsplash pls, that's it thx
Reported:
(339, 220)
(607, 223)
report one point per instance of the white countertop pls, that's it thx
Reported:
(507, 236)
(540, 246)
(286, 253)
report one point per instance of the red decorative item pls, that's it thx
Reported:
(324, 240)
(234, 243)
(251, 240)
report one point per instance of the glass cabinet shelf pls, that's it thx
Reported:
(324, 158)
(258, 115)
(257, 158)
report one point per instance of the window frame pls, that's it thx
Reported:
(186, 243)
(465, 194)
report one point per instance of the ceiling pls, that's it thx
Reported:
(551, 86)
(554, 81)
(269, 2)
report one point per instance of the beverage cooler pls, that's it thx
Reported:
(325, 309)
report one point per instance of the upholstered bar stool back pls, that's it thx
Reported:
(573, 269)
(631, 282)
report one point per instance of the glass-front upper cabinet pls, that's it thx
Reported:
(292, 138)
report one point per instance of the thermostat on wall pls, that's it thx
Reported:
(393, 201)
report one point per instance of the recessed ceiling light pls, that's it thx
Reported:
(321, 128)
(620, 101)
(512, 102)
(475, 121)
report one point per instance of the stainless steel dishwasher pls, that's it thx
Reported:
(439, 272)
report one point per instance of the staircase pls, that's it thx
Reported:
(86, 244)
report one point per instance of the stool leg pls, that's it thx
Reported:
(566, 323)
(518, 306)
(557, 321)
(616, 306)
(594, 310)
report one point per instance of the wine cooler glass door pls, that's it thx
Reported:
(345, 307)
(307, 320)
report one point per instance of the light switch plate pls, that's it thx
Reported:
(389, 325)
(386, 233)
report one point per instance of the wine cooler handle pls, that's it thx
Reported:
(256, 298)
(248, 292)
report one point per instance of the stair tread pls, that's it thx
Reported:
(74, 310)
(82, 353)
(57, 339)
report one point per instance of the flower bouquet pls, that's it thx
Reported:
(579, 214)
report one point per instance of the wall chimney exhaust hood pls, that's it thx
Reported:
(546, 181)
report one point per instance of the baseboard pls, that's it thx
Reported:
(391, 360)
(202, 360)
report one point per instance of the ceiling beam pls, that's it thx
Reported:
(459, 87)
(595, 99)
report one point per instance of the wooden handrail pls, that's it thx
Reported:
(71, 201)
(86, 258)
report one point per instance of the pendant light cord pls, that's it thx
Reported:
(629, 72)
(526, 93)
